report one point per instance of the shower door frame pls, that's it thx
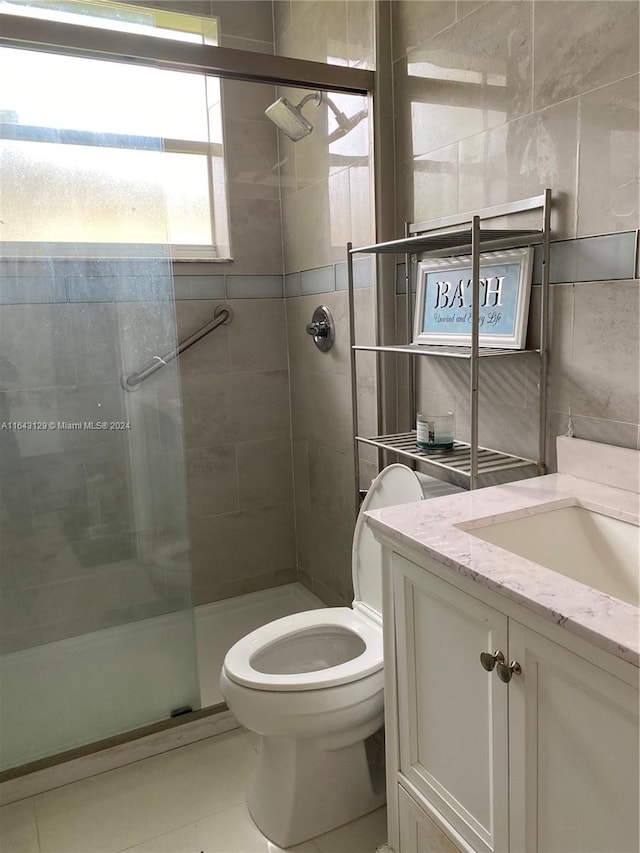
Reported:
(224, 62)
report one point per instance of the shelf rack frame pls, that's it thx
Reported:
(466, 464)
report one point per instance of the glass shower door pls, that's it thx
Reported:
(96, 619)
(97, 624)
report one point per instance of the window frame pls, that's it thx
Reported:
(160, 25)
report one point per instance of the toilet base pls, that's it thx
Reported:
(300, 790)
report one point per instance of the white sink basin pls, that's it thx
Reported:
(588, 546)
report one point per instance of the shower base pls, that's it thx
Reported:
(84, 689)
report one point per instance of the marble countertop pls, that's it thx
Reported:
(430, 528)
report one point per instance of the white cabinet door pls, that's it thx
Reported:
(418, 833)
(452, 714)
(574, 752)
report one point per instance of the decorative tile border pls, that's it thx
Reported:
(24, 283)
(199, 287)
(363, 273)
(254, 286)
(606, 257)
(29, 290)
(110, 287)
(292, 284)
(401, 281)
(318, 280)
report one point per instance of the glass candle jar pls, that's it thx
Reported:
(434, 431)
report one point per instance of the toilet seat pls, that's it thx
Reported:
(335, 630)
(239, 667)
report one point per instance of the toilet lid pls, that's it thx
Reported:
(396, 484)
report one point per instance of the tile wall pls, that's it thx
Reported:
(235, 383)
(495, 101)
(322, 440)
(80, 515)
(340, 32)
(235, 396)
(238, 406)
(326, 202)
(71, 521)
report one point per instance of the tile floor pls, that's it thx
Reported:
(189, 800)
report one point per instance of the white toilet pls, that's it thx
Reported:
(311, 685)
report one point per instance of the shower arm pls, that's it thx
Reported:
(316, 97)
(341, 118)
(345, 123)
(320, 98)
(132, 381)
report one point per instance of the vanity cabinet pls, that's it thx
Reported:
(574, 751)
(452, 717)
(547, 761)
(417, 831)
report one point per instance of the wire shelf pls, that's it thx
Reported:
(493, 466)
(442, 351)
(452, 239)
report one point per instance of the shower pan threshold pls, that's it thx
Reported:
(217, 626)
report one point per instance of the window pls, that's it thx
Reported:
(97, 154)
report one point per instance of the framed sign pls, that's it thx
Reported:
(444, 294)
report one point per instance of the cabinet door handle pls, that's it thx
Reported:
(489, 660)
(505, 672)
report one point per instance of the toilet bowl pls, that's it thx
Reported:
(311, 685)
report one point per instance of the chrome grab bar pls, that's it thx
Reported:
(132, 381)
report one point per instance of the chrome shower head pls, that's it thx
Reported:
(289, 118)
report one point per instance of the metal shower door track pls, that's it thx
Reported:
(225, 62)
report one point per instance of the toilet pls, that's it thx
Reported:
(311, 685)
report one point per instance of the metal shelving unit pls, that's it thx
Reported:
(467, 465)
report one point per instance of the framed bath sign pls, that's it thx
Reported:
(444, 292)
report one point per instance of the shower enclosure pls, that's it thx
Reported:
(97, 637)
(101, 195)
(97, 633)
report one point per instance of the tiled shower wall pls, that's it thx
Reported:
(235, 395)
(326, 201)
(241, 514)
(73, 527)
(495, 101)
(235, 392)
(70, 325)
(235, 383)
